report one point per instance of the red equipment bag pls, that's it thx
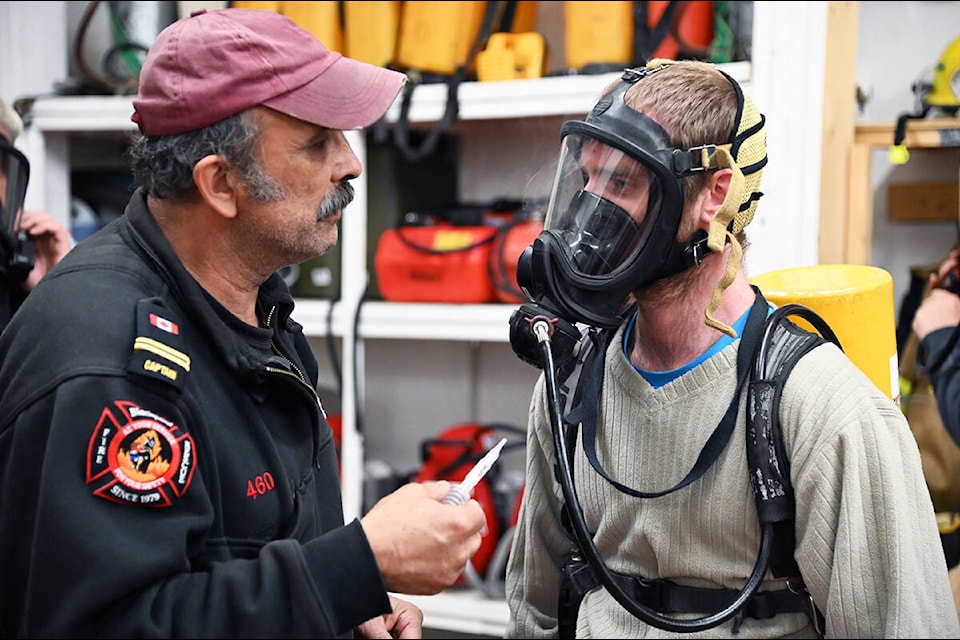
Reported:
(510, 242)
(464, 254)
(452, 454)
(437, 263)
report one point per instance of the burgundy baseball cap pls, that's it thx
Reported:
(215, 64)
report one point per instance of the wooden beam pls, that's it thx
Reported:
(930, 133)
(839, 112)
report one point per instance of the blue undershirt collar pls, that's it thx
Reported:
(658, 379)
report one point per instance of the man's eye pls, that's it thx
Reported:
(620, 186)
(320, 142)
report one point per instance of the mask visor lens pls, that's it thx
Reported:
(603, 207)
(14, 175)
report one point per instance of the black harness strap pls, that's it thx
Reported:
(588, 410)
(667, 596)
(782, 346)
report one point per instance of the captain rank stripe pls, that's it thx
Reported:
(163, 350)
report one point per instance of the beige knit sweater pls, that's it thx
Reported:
(867, 540)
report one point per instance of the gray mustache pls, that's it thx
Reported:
(336, 201)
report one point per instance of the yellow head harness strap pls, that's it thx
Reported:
(746, 155)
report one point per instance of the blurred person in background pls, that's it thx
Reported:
(937, 325)
(31, 241)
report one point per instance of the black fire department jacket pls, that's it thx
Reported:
(165, 469)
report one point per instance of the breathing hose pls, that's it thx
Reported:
(541, 330)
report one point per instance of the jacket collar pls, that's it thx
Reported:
(232, 338)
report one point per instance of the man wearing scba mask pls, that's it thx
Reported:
(32, 241)
(643, 240)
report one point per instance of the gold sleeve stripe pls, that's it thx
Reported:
(164, 351)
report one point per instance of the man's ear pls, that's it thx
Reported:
(714, 195)
(217, 185)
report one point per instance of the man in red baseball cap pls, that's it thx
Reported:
(167, 466)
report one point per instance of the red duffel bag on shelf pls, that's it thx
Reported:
(511, 241)
(463, 254)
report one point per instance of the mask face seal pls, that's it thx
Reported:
(613, 215)
(16, 250)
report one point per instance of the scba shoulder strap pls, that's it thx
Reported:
(780, 345)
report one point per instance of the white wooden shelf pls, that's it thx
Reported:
(408, 320)
(553, 95)
(463, 610)
(549, 96)
(428, 321)
(81, 114)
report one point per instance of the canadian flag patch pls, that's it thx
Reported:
(163, 324)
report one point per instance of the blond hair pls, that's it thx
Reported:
(697, 104)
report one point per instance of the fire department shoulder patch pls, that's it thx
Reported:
(138, 457)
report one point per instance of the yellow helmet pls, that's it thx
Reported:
(943, 94)
(945, 91)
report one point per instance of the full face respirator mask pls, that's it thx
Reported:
(611, 221)
(16, 250)
(615, 211)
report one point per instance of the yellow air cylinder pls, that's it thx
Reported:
(321, 18)
(856, 301)
(370, 31)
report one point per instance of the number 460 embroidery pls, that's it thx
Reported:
(260, 485)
